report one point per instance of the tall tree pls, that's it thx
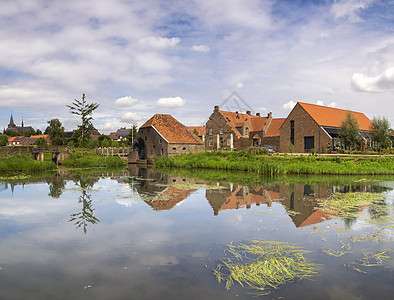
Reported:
(55, 130)
(84, 110)
(349, 132)
(132, 134)
(3, 140)
(380, 132)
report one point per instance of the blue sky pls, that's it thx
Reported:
(137, 58)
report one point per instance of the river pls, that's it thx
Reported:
(143, 234)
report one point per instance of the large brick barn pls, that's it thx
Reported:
(314, 126)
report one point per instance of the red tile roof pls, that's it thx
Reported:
(201, 130)
(172, 130)
(329, 116)
(256, 122)
(273, 129)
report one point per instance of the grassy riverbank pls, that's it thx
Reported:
(281, 164)
(24, 163)
(89, 160)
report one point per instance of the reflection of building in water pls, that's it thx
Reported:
(3, 186)
(237, 196)
(301, 201)
(160, 191)
(168, 198)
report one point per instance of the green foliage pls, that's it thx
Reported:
(29, 133)
(290, 147)
(24, 163)
(380, 132)
(275, 165)
(10, 133)
(76, 160)
(41, 142)
(349, 132)
(3, 140)
(55, 130)
(313, 151)
(84, 110)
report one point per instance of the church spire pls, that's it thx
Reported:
(22, 122)
(12, 120)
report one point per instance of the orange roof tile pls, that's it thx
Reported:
(273, 129)
(201, 130)
(316, 217)
(172, 130)
(256, 122)
(40, 136)
(329, 116)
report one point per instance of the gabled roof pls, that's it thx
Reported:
(172, 130)
(237, 119)
(273, 129)
(332, 117)
(201, 130)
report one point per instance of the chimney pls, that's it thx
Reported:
(216, 108)
(258, 114)
(236, 115)
(248, 112)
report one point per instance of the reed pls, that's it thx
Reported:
(77, 160)
(263, 266)
(279, 165)
(24, 163)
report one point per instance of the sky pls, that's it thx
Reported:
(137, 58)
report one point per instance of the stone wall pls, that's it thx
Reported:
(273, 141)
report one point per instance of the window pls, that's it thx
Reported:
(210, 142)
(292, 131)
(228, 141)
(221, 130)
(210, 131)
(184, 148)
(174, 148)
(246, 131)
(309, 142)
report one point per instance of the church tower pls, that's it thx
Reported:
(12, 124)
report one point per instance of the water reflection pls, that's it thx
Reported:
(86, 215)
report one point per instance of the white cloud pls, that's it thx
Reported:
(171, 102)
(332, 104)
(126, 101)
(130, 117)
(159, 42)
(289, 105)
(201, 48)
(349, 9)
(239, 85)
(378, 74)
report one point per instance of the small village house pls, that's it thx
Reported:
(200, 131)
(227, 130)
(163, 135)
(310, 126)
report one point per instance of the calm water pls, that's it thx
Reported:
(141, 234)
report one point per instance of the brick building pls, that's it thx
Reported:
(163, 135)
(227, 130)
(272, 135)
(314, 126)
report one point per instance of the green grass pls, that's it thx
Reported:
(89, 160)
(24, 163)
(263, 266)
(279, 165)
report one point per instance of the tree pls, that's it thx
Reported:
(10, 133)
(55, 130)
(41, 142)
(84, 110)
(349, 132)
(380, 132)
(132, 134)
(3, 140)
(29, 133)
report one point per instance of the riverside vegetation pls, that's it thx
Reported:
(25, 163)
(281, 164)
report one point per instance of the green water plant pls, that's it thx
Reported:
(263, 266)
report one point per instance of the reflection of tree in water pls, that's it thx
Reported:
(56, 188)
(86, 215)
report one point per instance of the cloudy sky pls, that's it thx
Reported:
(137, 58)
